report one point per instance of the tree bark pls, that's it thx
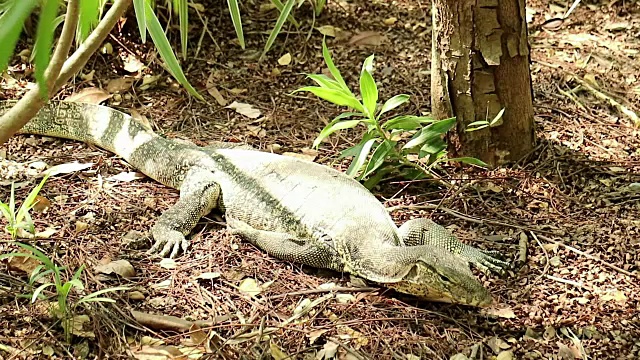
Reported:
(480, 65)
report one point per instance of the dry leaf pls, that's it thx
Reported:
(245, 109)
(250, 287)
(168, 263)
(81, 226)
(372, 38)
(209, 275)
(213, 91)
(24, 264)
(126, 176)
(119, 267)
(390, 21)
(285, 59)
(328, 30)
(41, 204)
(92, 95)
(503, 312)
(257, 131)
(68, 168)
(132, 64)
(119, 85)
(141, 119)
(277, 353)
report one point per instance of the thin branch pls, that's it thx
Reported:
(32, 101)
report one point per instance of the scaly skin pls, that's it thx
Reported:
(293, 209)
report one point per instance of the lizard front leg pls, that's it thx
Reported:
(426, 232)
(198, 196)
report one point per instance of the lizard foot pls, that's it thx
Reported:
(487, 261)
(168, 242)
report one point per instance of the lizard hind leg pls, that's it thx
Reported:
(426, 232)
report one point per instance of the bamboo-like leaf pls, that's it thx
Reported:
(361, 158)
(393, 103)
(44, 43)
(165, 50)
(138, 6)
(471, 161)
(355, 150)
(368, 88)
(407, 122)
(40, 288)
(35, 254)
(11, 23)
(337, 97)
(325, 81)
(378, 157)
(284, 13)
(4, 208)
(234, 10)
(29, 202)
(497, 117)
(433, 130)
(330, 129)
(332, 67)
(94, 295)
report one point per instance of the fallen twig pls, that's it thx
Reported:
(173, 323)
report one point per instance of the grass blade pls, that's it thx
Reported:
(11, 23)
(234, 10)
(284, 13)
(165, 50)
(332, 67)
(138, 6)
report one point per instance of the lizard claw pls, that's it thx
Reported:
(488, 261)
(168, 243)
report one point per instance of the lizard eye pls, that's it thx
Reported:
(444, 279)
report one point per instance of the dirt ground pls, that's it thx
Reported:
(573, 201)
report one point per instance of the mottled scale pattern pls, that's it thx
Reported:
(293, 209)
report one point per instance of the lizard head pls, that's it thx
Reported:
(437, 282)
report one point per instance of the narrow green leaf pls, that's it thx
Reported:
(44, 42)
(393, 103)
(165, 50)
(280, 6)
(284, 13)
(476, 128)
(11, 23)
(35, 277)
(368, 88)
(5, 212)
(337, 97)
(375, 179)
(40, 288)
(12, 199)
(325, 81)
(433, 146)
(37, 254)
(104, 291)
(99, 299)
(183, 14)
(319, 6)
(497, 118)
(332, 68)
(436, 129)
(234, 10)
(378, 157)
(477, 123)
(355, 150)
(471, 161)
(29, 201)
(361, 158)
(89, 15)
(328, 130)
(138, 6)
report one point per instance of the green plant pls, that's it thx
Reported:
(62, 288)
(478, 125)
(414, 143)
(20, 219)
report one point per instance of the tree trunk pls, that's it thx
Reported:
(480, 65)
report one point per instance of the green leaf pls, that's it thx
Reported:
(433, 146)
(183, 14)
(333, 127)
(360, 159)
(355, 150)
(40, 288)
(319, 6)
(333, 69)
(433, 130)
(37, 276)
(471, 161)
(138, 6)
(234, 10)
(29, 202)
(407, 122)
(78, 272)
(337, 97)
(477, 123)
(6, 212)
(375, 179)
(393, 103)
(368, 88)
(378, 157)
(497, 118)
(44, 42)
(324, 81)
(284, 13)
(94, 295)
(280, 6)
(89, 15)
(36, 254)
(11, 23)
(165, 50)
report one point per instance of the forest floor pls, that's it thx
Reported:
(574, 200)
